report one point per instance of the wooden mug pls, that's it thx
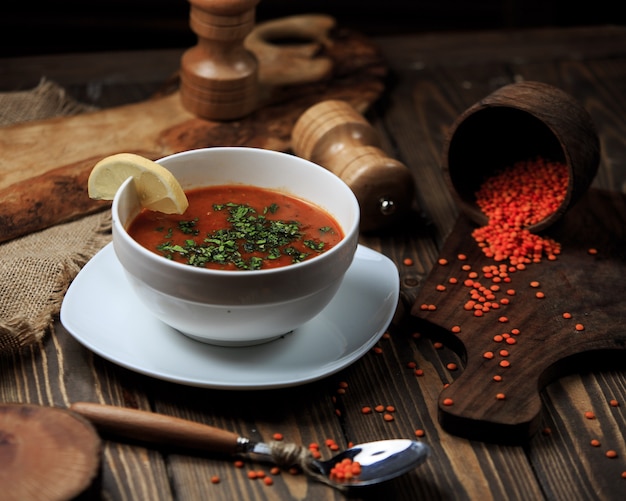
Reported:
(520, 122)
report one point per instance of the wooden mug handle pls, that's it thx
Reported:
(336, 136)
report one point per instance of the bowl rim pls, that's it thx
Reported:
(348, 236)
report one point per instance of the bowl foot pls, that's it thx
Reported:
(235, 344)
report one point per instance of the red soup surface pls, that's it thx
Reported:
(236, 227)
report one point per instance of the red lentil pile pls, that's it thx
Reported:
(345, 470)
(515, 198)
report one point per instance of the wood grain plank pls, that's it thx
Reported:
(559, 465)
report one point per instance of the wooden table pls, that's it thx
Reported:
(434, 78)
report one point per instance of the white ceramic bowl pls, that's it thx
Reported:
(240, 308)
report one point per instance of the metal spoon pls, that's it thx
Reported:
(380, 461)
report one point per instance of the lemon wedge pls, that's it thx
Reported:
(156, 186)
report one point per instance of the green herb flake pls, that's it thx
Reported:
(188, 227)
(248, 233)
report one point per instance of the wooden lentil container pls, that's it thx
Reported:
(520, 122)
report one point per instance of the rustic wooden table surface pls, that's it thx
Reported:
(434, 77)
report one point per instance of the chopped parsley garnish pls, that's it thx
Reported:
(188, 227)
(249, 233)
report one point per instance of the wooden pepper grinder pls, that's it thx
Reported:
(219, 76)
(336, 136)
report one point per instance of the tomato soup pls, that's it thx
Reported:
(236, 227)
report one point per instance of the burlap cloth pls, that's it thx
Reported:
(36, 270)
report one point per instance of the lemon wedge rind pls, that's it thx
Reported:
(157, 188)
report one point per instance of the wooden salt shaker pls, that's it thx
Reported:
(336, 136)
(520, 122)
(219, 76)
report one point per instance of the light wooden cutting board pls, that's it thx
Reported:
(44, 165)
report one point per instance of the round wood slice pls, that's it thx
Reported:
(46, 453)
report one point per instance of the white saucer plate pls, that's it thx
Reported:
(102, 312)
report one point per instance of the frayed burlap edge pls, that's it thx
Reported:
(21, 331)
(47, 100)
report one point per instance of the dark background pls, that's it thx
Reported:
(46, 27)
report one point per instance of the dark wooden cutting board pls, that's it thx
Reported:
(592, 287)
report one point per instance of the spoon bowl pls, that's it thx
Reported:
(380, 461)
